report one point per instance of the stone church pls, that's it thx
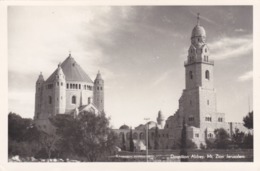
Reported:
(197, 105)
(68, 90)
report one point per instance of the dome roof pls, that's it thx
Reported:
(72, 72)
(124, 127)
(198, 31)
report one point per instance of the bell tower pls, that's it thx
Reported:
(198, 67)
(199, 96)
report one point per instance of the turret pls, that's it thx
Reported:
(160, 120)
(38, 96)
(98, 95)
(59, 92)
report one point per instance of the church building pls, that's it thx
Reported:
(197, 105)
(68, 90)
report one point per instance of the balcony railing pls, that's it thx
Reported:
(188, 62)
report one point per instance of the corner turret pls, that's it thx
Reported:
(38, 96)
(59, 92)
(99, 92)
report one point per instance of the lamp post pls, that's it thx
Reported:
(147, 127)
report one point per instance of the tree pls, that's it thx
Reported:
(248, 120)
(18, 126)
(148, 139)
(238, 138)
(222, 140)
(48, 143)
(183, 143)
(248, 141)
(156, 138)
(23, 136)
(123, 143)
(87, 136)
(131, 142)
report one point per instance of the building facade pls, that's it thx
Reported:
(197, 105)
(68, 90)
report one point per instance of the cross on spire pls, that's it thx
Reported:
(198, 18)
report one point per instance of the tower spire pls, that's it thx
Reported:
(198, 18)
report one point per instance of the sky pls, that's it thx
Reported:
(139, 50)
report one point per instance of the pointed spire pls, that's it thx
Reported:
(98, 75)
(59, 71)
(198, 18)
(69, 53)
(40, 78)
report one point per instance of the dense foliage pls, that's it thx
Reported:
(248, 120)
(88, 136)
(223, 140)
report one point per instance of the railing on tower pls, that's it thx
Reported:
(188, 62)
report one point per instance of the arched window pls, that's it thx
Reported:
(73, 100)
(207, 74)
(50, 100)
(191, 75)
(206, 50)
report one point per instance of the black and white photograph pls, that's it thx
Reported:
(130, 84)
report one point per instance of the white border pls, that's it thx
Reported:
(216, 166)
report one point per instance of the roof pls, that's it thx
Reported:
(72, 71)
(40, 78)
(98, 76)
(124, 127)
(198, 31)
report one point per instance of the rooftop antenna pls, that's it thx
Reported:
(198, 18)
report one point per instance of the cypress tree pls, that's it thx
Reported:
(183, 144)
(156, 140)
(131, 145)
(123, 143)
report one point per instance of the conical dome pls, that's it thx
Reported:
(40, 78)
(72, 71)
(99, 76)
